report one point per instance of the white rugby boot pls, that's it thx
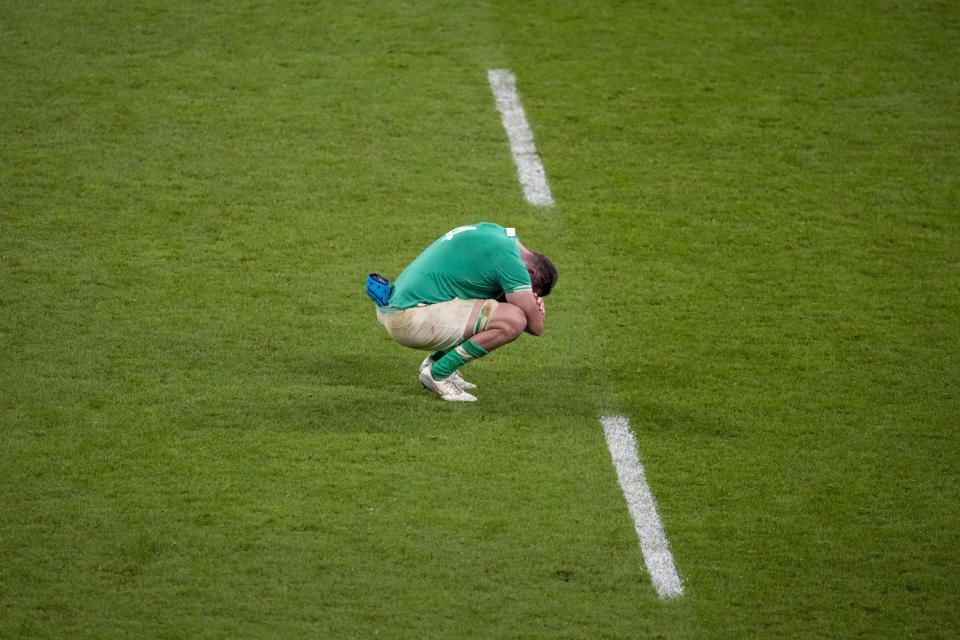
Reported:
(455, 377)
(444, 388)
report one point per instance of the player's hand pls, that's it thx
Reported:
(543, 309)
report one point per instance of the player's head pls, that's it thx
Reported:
(543, 274)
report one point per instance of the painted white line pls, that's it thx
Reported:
(529, 168)
(643, 509)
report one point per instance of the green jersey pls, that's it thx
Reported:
(477, 261)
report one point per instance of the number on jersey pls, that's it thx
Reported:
(449, 234)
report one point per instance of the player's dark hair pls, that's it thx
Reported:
(546, 274)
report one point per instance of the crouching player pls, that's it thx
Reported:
(472, 291)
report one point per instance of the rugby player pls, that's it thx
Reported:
(475, 289)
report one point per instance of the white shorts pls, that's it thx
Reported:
(436, 326)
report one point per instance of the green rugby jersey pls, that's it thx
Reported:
(477, 261)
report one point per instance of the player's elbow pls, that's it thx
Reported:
(535, 328)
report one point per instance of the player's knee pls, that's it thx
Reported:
(512, 320)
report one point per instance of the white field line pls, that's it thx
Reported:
(643, 509)
(529, 168)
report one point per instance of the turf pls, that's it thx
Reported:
(204, 432)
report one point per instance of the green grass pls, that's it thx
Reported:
(205, 433)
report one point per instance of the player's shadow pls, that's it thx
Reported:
(342, 369)
(365, 372)
(357, 392)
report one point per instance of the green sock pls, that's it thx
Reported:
(456, 358)
(436, 355)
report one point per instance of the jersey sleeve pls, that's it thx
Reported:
(512, 276)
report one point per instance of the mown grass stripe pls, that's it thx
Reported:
(530, 170)
(643, 509)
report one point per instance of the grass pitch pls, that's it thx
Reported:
(204, 432)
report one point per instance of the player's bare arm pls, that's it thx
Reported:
(532, 308)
